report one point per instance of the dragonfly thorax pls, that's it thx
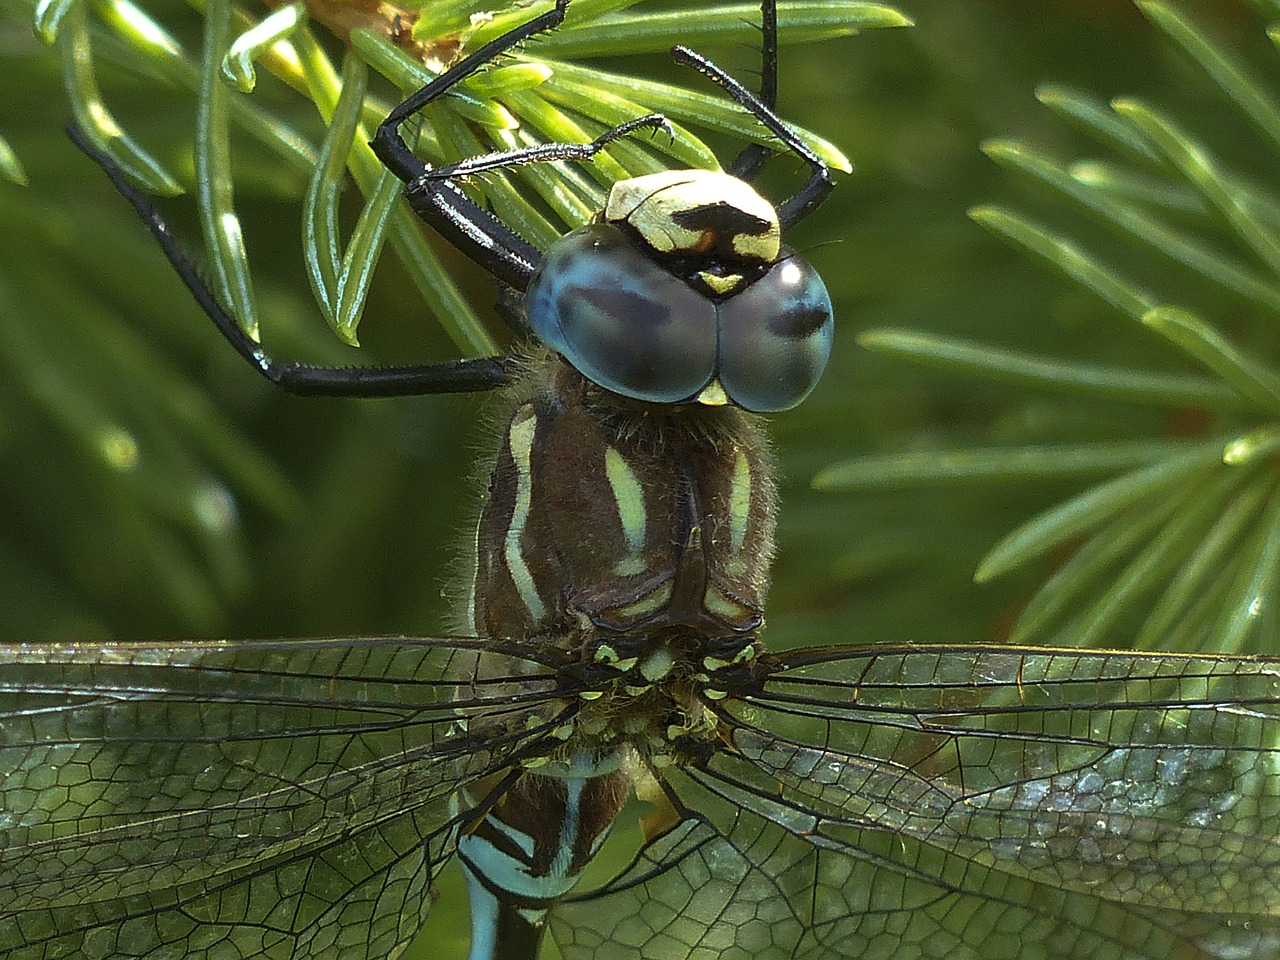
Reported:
(622, 725)
(606, 517)
(633, 541)
(653, 693)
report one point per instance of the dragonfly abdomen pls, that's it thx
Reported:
(528, 851)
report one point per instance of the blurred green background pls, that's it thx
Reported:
(151, 485)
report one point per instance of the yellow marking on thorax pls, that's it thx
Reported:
(736, 562)
(628, 495)
(716, 601)
(739, 500)
(520, 441)
(646, 606)
(475, 583)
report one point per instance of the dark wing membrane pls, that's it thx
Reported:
(966, 802)
(242, 799)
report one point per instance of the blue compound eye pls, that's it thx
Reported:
(620, 319)
(775, 337)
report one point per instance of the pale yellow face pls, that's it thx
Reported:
(663, 208)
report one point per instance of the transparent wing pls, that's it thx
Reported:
(966, 802)
(240, 799)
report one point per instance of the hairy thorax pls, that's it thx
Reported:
(632, 540)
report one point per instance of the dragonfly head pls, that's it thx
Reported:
(682, 292)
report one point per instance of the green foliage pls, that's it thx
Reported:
(1179, 550)
(231, 103)
(152, 486)
(144, 497)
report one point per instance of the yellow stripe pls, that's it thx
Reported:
(645, 606)
(739, 501)
(520, 442)
(716, 601)
(475, 583)
(628, 494)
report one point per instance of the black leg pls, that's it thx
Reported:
(459, 376)
(748, 164)
(465, 224)
(543, 152)
(435, 198)
(819, 185)
(387, 142)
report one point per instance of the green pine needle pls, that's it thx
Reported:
(270, 110)
(1179, 548)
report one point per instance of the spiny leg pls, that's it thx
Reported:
(819, 184)
(751, 161)
(544, 152)
(458, 376)
(472, 229)
(387, 142)
(434, 196)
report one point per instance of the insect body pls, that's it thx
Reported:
(643, 578)
(629, 519)
(221, 800)
(628, 525)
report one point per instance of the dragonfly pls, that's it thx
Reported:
(299, 798)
